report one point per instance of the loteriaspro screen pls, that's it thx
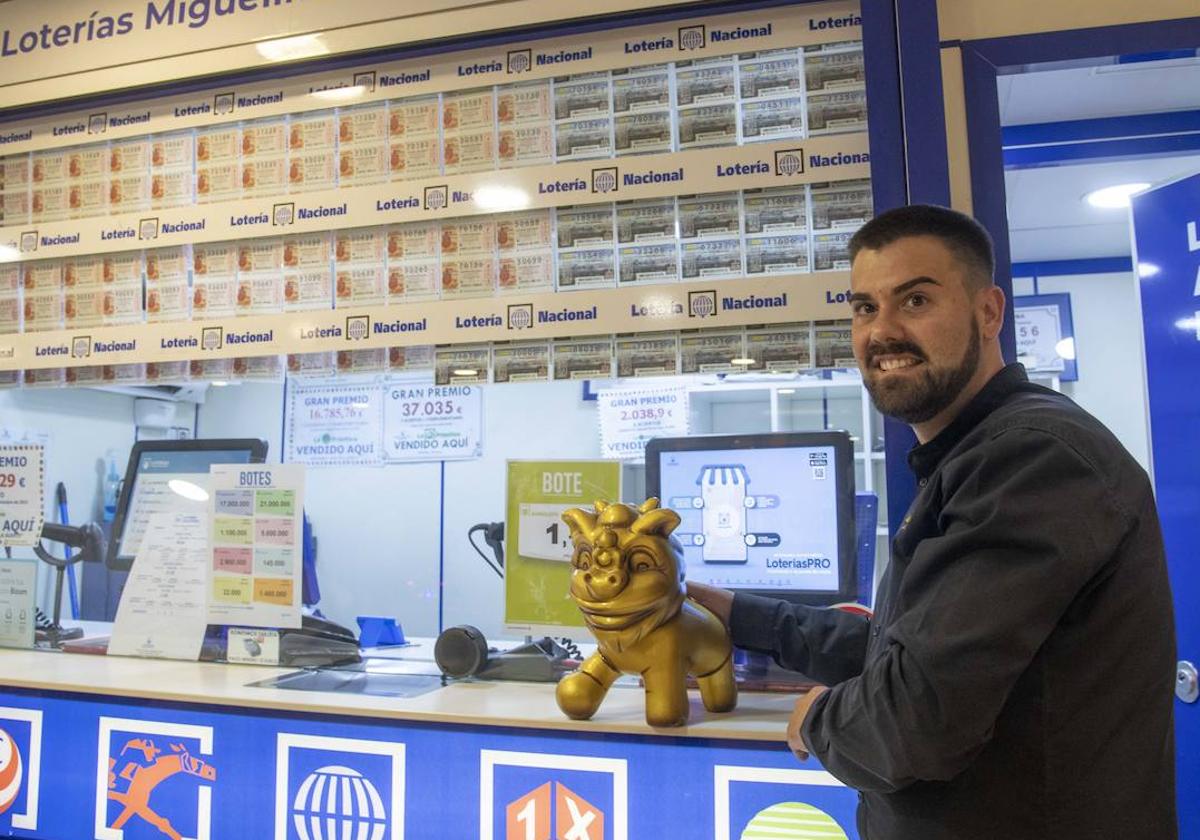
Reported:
(762, 519)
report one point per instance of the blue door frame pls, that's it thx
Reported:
(982, 61)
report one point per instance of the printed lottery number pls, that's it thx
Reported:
(429, 408)
(10, 480)
(337, 413)
(645, 413)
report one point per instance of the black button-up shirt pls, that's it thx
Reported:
(1016, 680)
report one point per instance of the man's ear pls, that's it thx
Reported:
(989, 306)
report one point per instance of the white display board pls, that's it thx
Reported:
(629, 417)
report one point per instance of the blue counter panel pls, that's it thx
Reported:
(74, 766)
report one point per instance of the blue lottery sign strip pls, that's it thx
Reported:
(139, 770)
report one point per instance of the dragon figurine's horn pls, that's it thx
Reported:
(579, 521)
(649, 505)
(659, 521)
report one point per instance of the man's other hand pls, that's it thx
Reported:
(803, 704)
(717, 601)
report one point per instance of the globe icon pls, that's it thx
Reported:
(334, 802)
(792, 821)
(790, 164)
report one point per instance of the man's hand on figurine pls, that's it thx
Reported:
(717, 601)
(803, 704)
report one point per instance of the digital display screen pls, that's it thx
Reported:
(152, 492)
(761, 519)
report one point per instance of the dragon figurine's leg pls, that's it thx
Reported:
(666, 692)
(579, 694)
(718, 689)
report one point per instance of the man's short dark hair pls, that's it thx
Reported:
(965, 237)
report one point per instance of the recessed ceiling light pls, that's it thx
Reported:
(218, 383)
(1116, 196)
(498, 198)
(289, 49)
(465, 372)
(741, 362)
(339, 94)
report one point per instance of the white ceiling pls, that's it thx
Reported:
(1048, 218)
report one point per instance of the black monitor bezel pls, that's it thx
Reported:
(258, 455)
(843, 449)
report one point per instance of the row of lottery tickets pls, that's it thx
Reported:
(750, 233)
(724, 101)
(776, 349)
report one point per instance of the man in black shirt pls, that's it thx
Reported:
(1015, 681)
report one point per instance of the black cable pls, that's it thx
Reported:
(571, 648)
(491, 563)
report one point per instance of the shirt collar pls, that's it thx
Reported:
(924, 458)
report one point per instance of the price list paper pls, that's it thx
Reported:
(21, 483)
(256, 512)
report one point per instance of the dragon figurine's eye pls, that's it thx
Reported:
(583, 559)
(642, 561)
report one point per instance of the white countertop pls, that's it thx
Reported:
(758, 717)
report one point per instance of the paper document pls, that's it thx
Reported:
(162, 613)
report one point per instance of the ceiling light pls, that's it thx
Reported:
(465, 372)
(339, 94)
(218, 383)
(1116, 196)
(290, 49)
(787, 390)
(500, 198)
(188, 490)
(1147, 270)
(741, 362)
(1065, 348)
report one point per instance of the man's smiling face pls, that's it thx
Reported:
(916, 328)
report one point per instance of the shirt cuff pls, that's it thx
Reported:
(752, 622)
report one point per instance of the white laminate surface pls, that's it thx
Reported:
(759, 717)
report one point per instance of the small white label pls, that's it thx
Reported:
(252, 646)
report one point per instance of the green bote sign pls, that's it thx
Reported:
(537, 547)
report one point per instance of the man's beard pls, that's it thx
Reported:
(931, 391)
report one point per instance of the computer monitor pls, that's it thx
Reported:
(158, 470)
(771, 514)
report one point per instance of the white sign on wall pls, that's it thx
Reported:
(432, 423)
(334, 425)
(629, 417)
(21, 471)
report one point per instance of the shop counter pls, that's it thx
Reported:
(121, 748)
